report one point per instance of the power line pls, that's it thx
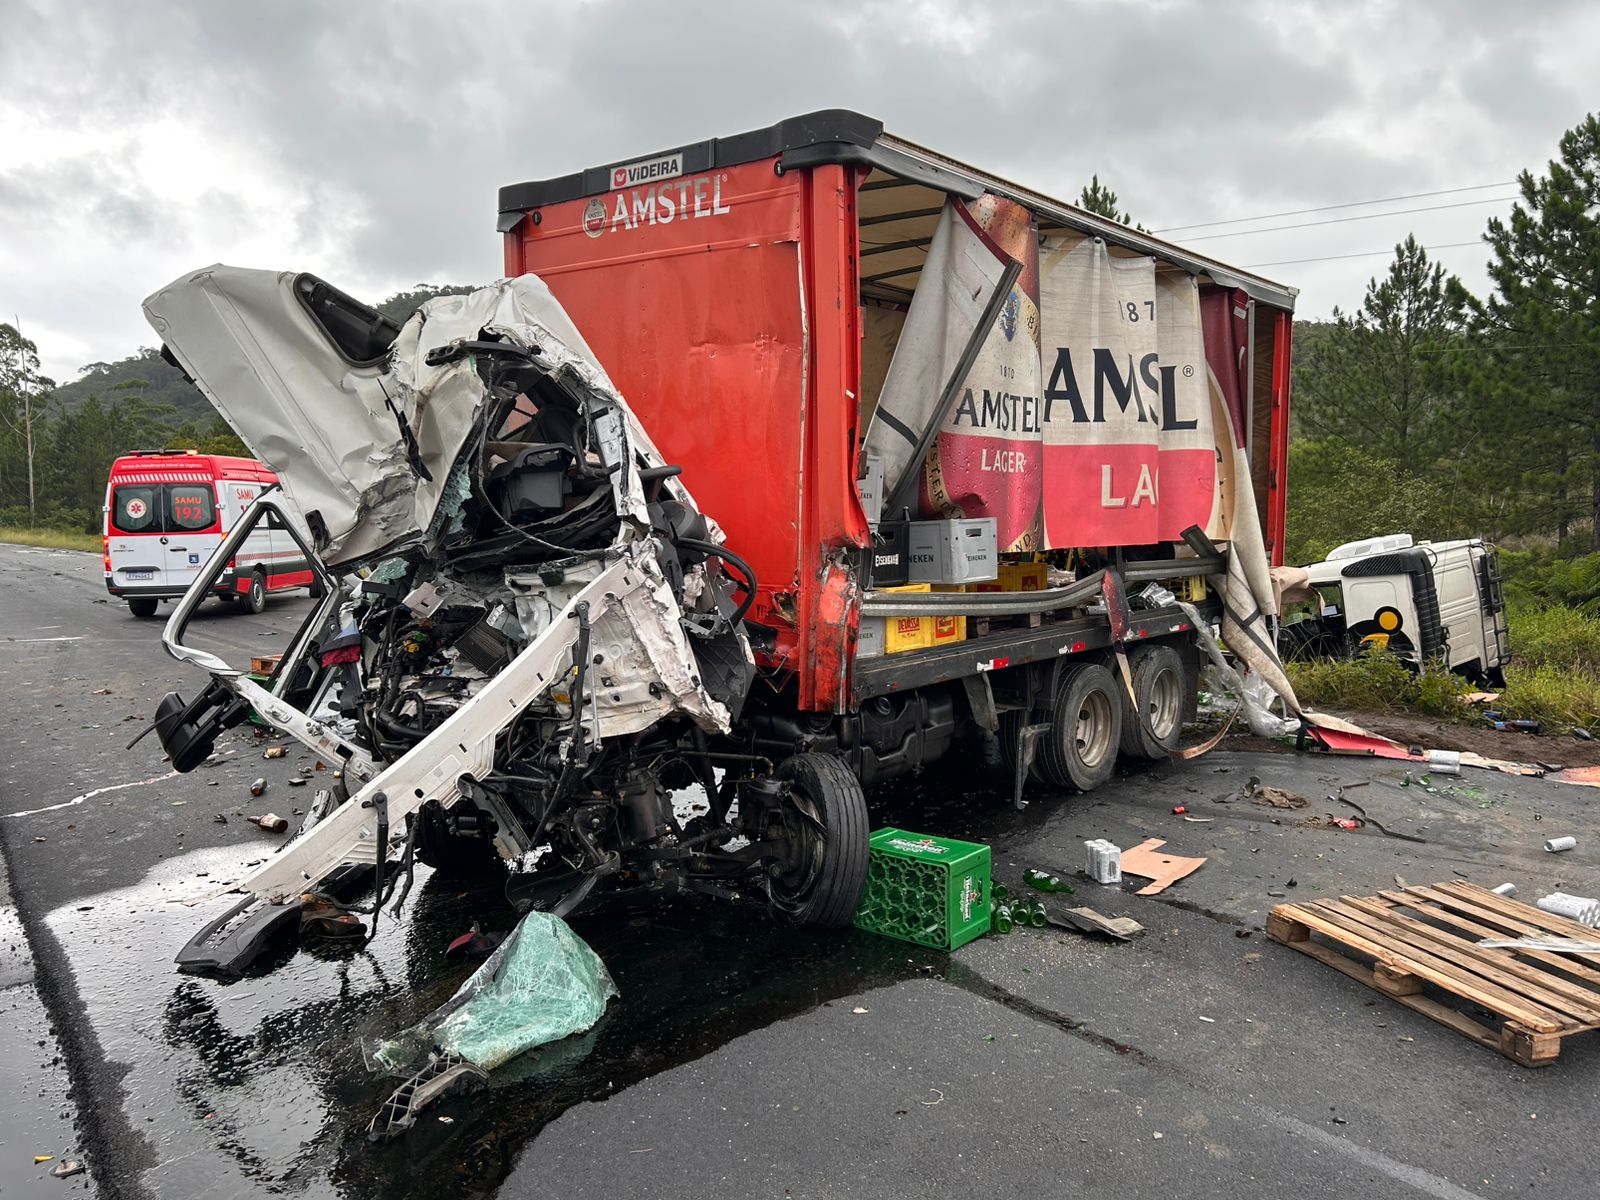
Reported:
(1300, 212)
(1398, 212)
(1286, 262)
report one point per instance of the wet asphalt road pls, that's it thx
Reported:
(736, 1062)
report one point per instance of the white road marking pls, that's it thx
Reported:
(76, 637)
(90, 795)
(1416, 1177)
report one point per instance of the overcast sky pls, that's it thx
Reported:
(366, 142)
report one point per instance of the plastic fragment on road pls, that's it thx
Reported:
(1162, 869)
(1550, 945)
(67, 1168)
(540, 985)
(440, 1075)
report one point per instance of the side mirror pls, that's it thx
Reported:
(188, 732)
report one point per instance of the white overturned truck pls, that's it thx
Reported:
(523, 609)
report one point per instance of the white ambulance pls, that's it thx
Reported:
(167, 510)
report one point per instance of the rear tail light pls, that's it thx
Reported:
(105, 550)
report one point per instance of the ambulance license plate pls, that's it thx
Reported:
(138, 574)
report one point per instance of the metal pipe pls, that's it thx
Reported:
(985, 604)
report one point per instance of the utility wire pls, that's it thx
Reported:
(1300, 212)
(1397, 212)
(1286, 262)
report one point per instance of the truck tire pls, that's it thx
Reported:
(1152, 720)
(822, 886)
(453, 855)
(1080, 751)
(143, 607)
(255, 600)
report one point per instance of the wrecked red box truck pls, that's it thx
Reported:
(755, 297)
(779, 465)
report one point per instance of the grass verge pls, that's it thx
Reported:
(53, 539)
(1554, 677)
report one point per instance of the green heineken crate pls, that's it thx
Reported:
(928, 890)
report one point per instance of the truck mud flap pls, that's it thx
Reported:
(1027, 748)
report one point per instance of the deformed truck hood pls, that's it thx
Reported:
(334, 428)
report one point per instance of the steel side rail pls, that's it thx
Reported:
(462, 745)
(314, 735)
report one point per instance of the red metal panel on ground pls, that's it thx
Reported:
(723, 307)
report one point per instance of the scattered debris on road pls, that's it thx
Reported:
(1582, 909)
(1084, 919)
(1272, 797)
(1163, 869)
(1557, 844)
(443, 1073)
(540, 985)
(1104, 861)
(271, 822)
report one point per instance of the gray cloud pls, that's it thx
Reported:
(369, 143)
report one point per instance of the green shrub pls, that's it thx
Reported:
(1556, 636)
(1377, 681)
(1547, 576)
(1558, 697)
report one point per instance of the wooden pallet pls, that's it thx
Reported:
(1426, 937)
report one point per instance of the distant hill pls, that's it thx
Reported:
(163, 384)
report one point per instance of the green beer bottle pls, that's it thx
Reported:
(1002, 918)
(1043, 881)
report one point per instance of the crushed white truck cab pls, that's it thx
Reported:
(1422, 601)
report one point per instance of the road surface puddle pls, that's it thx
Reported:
(258, 1085)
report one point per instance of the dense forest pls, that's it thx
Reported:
(1427, 409)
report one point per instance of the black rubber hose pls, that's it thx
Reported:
(733, 560)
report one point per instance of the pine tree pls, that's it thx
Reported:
(1539, 386)
(1103, 202)
(1380, 380)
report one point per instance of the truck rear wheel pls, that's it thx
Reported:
(1080, 751)
(1152, 719)
(824, 820)
(143, 607)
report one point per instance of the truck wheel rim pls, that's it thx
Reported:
(1093, 733)
(800, 825)
(1165, 705)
